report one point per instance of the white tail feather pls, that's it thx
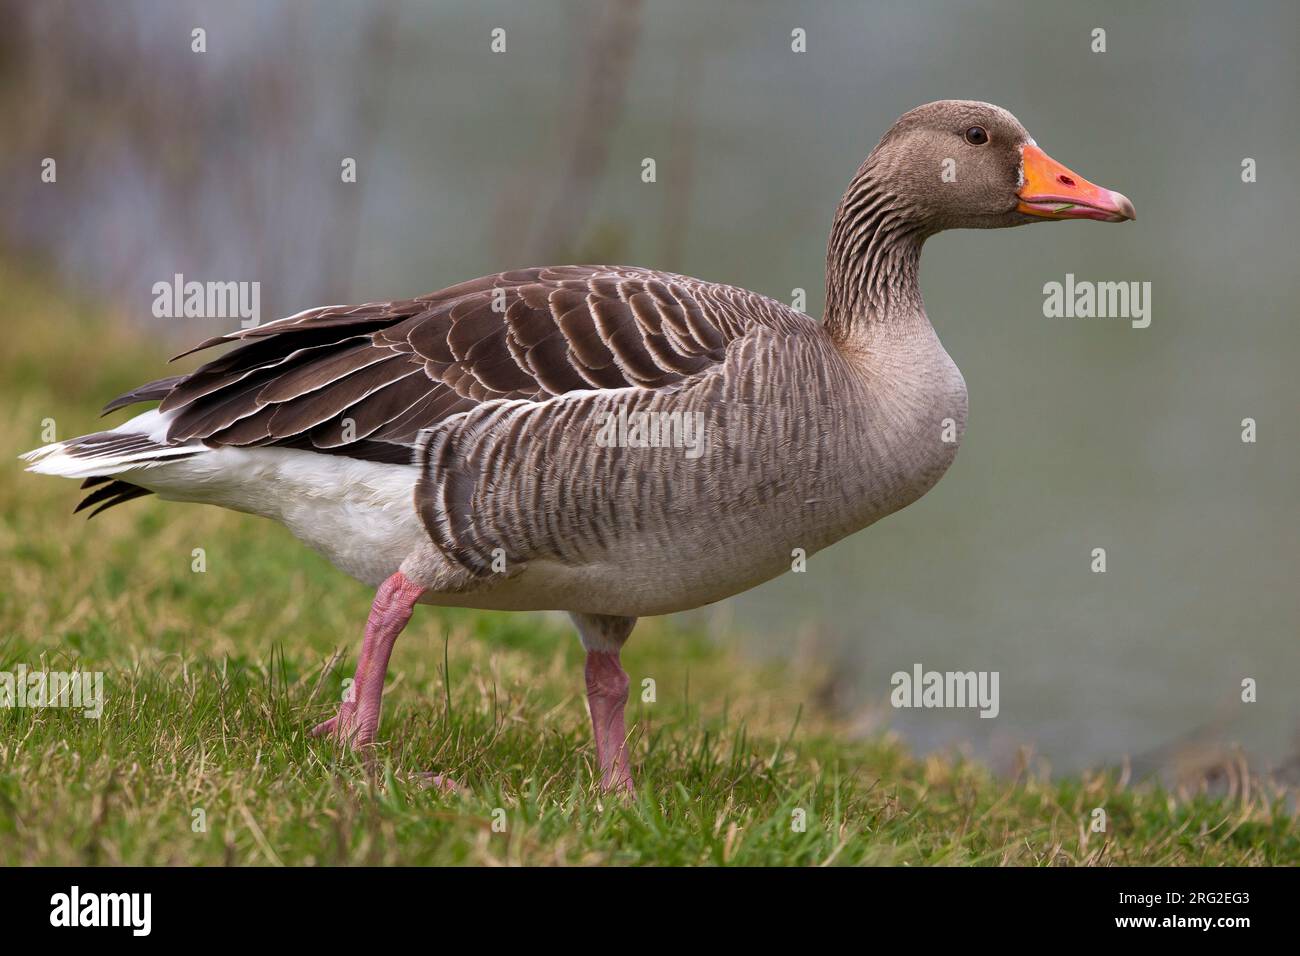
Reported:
(59, 459)
(138, 443)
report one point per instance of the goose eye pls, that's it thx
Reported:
(977, 136)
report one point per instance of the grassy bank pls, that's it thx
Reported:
(212, 678)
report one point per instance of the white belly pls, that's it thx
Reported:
(359, 515)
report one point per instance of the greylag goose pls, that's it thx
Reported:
(613, 442)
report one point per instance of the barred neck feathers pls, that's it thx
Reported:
(873, 257)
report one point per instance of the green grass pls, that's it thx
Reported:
(213, 678)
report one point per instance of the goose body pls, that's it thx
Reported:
(586, 527)
(470, 447)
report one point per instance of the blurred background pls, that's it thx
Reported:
(225, 165)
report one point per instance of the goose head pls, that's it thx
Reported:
(951, 164)
(965, 164)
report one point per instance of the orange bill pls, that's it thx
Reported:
(1054, 192)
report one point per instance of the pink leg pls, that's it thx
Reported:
(347, 710)
(358, 718)
(607, 685)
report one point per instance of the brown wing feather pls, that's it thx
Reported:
(108, 495)
(366, 378)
